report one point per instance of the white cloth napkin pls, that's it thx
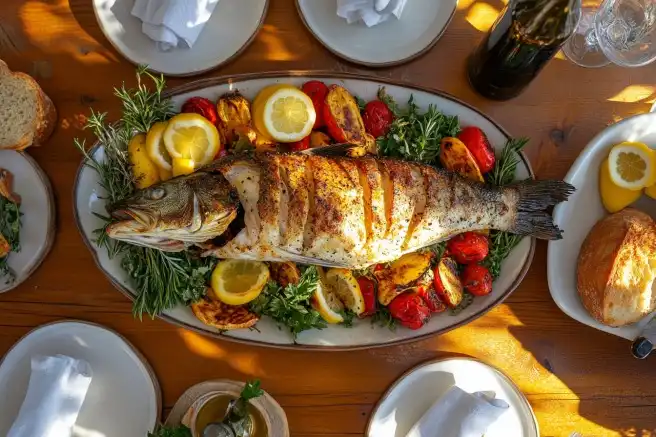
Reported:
(173, 23)
(459, 414)
(57, 388)
(371, 12)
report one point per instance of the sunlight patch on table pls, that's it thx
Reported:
(276, 48)
(482, 16)
(635, 94)
(246, 363)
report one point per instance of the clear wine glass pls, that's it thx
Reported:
(619, 31)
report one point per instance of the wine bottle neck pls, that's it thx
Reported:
(547, 21)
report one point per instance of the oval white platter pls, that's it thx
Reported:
(234, 24)
(37, 233)
(413, 394)
(124, 398)
(584, 208)
(88, 199)
(393, 42)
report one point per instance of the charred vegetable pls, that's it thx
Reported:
(342, 117)
(455, 157)
(447, 283)
(317, 91)
(234, 112)
(477, 280)
(222, 316)
(431, 299)
(401, 275)
(284, 273)
(410, 310)
(479, 146)
(468, 247)
(368, 290)
(319, 139)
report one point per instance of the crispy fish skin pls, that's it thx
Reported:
(345, 212)
(331, 211)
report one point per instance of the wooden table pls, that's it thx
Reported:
(576, 378)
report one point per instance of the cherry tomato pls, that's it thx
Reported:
(377, 118)
(317, 91)
(476, 279)
(410, 310)
(202, 106)
(468, 248)
(369, 295)
(299, 146)
(431, 299)
(477, 143)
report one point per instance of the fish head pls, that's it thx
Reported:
(193, 209)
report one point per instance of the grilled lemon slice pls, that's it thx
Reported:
(346, 287)
(237, 282)
(192, 136)
(632, 165)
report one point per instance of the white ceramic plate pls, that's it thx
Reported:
(38, 221)
(583, 210)
(88, 199)
(393, 42)
(412, 394)
(124, 398)
(232, 27)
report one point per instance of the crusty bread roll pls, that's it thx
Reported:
(27, 115)
(617, 267)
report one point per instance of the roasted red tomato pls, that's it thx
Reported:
(479, 146)
(431, 299)
(410, 310)
(468, 248)
(476, 279)
(317, 91)
(202, 106)
(369, 295)
(377, 118)
(299, 146)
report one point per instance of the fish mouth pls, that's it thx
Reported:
(133, 220)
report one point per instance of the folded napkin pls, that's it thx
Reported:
(54, 397)
(173, 23)
(459, 414)
(371, 12)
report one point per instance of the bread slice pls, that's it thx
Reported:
(27, 115)
(617, 268)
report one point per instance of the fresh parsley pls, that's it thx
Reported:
(467, 299)
(10, 230)
(290, 306)
(414, 135)
(383, 318)
(251, 390)
(171, 431)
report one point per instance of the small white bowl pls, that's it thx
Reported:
(583, 209)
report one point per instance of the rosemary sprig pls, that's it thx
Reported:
(290, 306)
(416, 136)
(162, 280)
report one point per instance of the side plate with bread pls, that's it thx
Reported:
(602, 273)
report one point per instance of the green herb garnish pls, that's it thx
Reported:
(251, 390)
(290, 306)
(416, 136)
(162, 280)
(467, 299)
(10, 230)
(383, 318)
(171, 431)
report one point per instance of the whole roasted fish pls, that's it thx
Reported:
(328, 211)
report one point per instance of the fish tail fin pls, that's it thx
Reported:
(534, 197)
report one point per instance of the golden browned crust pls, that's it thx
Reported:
(222, 316)
(614, 265)
(46, 114)
(5, 248)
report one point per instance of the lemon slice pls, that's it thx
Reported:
(614, 198)
(192, 136)
(326, 302)
(346, 287)
(183, 166)
(632, 166)
(155, 146)
(284, 113)
(237, 282)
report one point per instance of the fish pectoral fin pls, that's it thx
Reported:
(343, 149)
(302, 259)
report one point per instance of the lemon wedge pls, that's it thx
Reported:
(237, 282)
(326, 302)
(613, 197)
(183, 166)
(632, 166)
(192, 136)
(156, 148)
(346, 287)
(283, 113)
(651, 191)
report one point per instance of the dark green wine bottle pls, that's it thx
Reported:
(527, 34)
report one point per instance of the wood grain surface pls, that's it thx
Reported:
(576, 378)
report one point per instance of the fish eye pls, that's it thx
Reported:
(157, 193)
